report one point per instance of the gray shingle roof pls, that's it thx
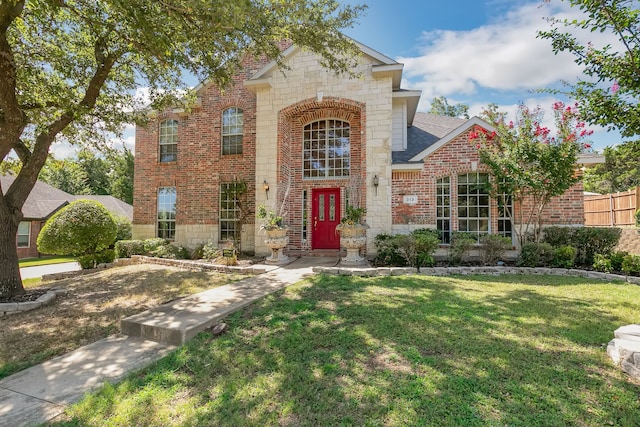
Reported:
(425, 131)
(113, 205)
(44, 200)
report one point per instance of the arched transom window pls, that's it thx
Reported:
(326, 149)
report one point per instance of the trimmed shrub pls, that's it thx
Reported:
(92, 260)
(154, 243)
(127, 248)
(558, 236)
(588, 241)
(535, 254)
(564, 256)
(493, 247)
(609, 263)
(170, 251)
(602, 263)
(123, 225)
(461, 244)
(631, 265)
(80, 228)
(387, 252)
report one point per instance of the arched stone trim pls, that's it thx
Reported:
(291, 122)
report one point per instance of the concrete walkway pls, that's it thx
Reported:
(40, 393)
(41, 270)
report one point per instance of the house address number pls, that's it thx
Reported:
(410, 200)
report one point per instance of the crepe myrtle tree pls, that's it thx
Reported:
(526, 162)
(69, 70)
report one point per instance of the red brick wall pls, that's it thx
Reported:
(455, 158)
(200, 167)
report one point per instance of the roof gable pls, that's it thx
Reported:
(43, 201)
(453, 134)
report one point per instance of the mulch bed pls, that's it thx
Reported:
(29, 295)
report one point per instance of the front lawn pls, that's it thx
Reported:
(396, 351)
(91, 309)
(45, 260)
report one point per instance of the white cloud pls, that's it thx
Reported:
(501, 56)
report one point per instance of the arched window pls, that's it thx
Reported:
(232, 130)
(168, 140)
(326, 149)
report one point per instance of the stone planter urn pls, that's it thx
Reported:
(276, 240)
(353, 237)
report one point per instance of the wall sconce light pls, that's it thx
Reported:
(376, 182)
(265, 186)
(474, 166)
(319, 96)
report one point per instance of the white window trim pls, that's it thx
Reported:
(28, 235)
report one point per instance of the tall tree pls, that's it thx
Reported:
(67, 175)
(121, 174)
(610, 94)
(69, 68)
(441, 106)
(619, 172)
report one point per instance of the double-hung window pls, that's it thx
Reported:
(166, 213)
(232, 130)
(24, 234)
(168, 140)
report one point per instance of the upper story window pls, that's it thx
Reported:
(232, 130)
(169, 140)
(326, 149)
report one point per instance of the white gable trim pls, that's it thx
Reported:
(474, 121)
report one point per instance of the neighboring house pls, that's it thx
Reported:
(45, 200)
(308, 142)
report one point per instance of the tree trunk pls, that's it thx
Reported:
(10, 280)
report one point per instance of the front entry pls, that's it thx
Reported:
(325, 216)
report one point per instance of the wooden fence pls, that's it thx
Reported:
(615, 209)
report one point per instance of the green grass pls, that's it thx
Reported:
(45, 260)
(395, 351)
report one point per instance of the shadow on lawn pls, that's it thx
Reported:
(393, 351)
(91, 309)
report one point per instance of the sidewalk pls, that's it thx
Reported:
(41, 270)
(40, 393)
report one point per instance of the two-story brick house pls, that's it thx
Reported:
(307, 142)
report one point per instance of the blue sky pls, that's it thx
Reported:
(476, 52)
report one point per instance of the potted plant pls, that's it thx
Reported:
(351, 223)
(271, 222)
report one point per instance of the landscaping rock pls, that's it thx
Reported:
(624, 349)
(628, 332)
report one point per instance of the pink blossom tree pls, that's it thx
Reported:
(528, 164)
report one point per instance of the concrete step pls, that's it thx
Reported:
(177, 322)
(624, 349)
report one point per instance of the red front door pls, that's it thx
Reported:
(325, 216)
